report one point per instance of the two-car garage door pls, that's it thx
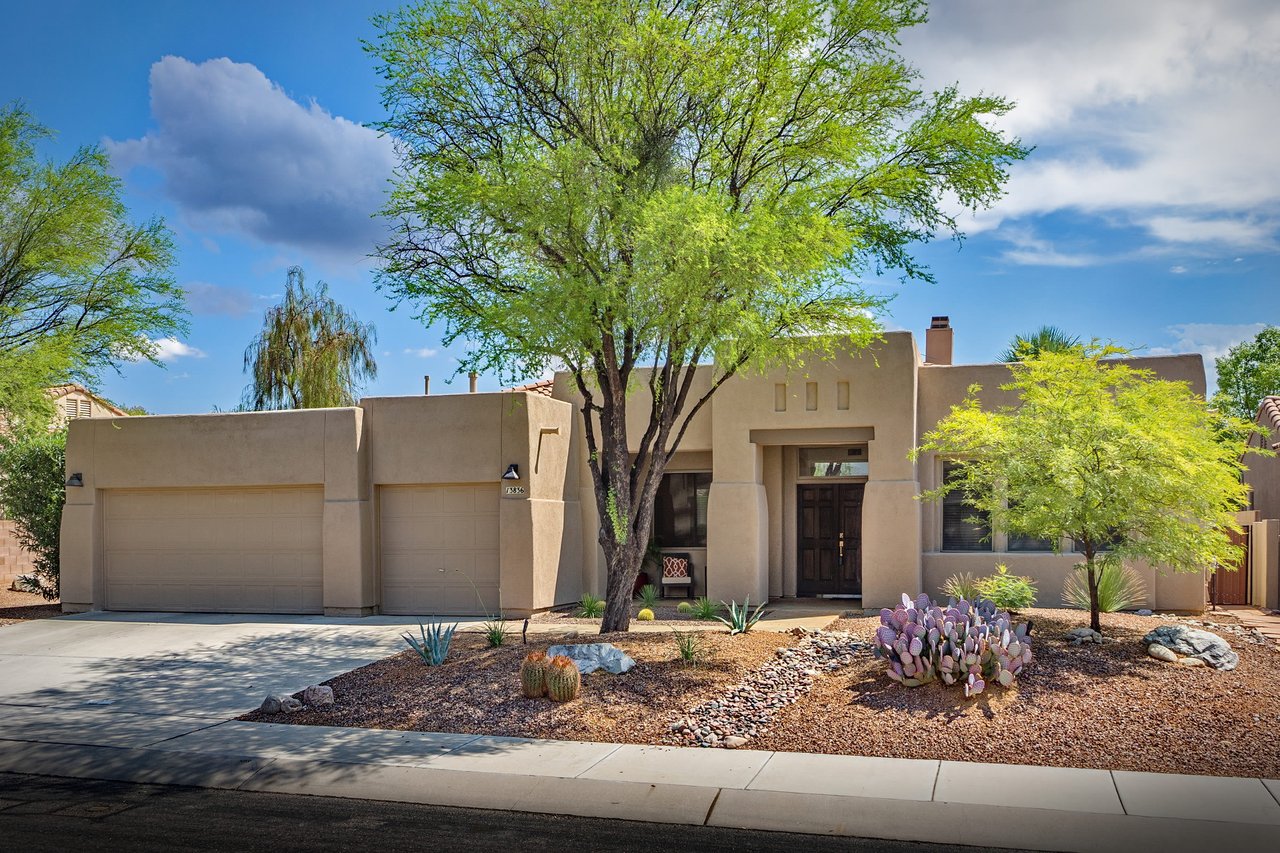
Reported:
(220, 550)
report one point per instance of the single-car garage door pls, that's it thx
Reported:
(439, 547)
(220, 550)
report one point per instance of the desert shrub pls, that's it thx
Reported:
(705, 608)
(32, 491)
(968, 644)
(433, 648)
(741, 619)
(1119, 587)
(649, 596)
(962, 586)
(590, 607)
(690, 647)
(1006, 591)
(495, 632)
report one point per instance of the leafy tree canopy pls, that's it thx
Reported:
(32, 491)
(81, 287)
(1249, 372)
(312, 352)
(1105, 454)
(601, 185)
(1044, 339)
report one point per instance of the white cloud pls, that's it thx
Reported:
(206, 299)
(1177, 269)
(1159, 116)
(172, 349)
(1030, 250)
(238, 154)
(421, 352)
(1211, 340)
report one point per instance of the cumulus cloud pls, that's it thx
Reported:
(420, 352)
(172, 349)
(206, 299)
(1027, 248)
(239, 155)
(1164, 118)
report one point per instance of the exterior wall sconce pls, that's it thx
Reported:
(76, 479)
(512, 472)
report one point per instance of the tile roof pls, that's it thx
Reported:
(542, 386)
(1269, 416)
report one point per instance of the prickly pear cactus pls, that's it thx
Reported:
(533, 676)
(968, 644)
(563, 679)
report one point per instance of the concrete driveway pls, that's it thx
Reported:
(135, 679)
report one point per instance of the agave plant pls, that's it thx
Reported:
(741, 619)
(434, 646)
(649, 596)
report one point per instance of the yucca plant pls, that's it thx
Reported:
(962, 586)
(741, 619)
(1119, 587)
(689, 647)
(649, 596)
(495, 632)
(704, 608)
(590, 607)
(434, 646)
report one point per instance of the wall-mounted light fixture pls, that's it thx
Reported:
(76, 479)
(512, 472)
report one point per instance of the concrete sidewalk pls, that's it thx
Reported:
(917, 800)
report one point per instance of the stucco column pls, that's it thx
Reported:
(890, 542)
(80, 533)
(738, 525)
(350, 587)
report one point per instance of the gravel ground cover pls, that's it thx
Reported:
(18, 607)
(664, 614)
(1105, 706)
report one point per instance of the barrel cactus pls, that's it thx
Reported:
(645, 615)
(563, 679)
(965, 643)
(533, 676)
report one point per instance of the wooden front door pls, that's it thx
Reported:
(1232, 587)
(829, 516)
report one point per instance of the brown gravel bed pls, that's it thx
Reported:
(18, 607)
(664, 614)
(477, 690)
(1109, 707)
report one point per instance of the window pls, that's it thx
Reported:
(1029, 543)
(680, 511)
(959, 533)
(833, 461)
(1112, 542)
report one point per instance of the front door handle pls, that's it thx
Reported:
(841, 544)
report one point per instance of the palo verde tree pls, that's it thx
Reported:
(1249, 372)
(1043, 339)
(632, 190)
(81, 287)
(311, 353)
(1105, 454)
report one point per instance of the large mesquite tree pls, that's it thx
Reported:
(628, 189)
(1105, 454)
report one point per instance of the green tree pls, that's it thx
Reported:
(633, 190)
(1126, 465)
(81, 288)
(1044, 339)
(32, 491)
(1249, 372)
(311, 353)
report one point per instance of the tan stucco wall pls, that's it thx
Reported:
(1263, 477)
(350, 452)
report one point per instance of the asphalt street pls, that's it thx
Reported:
(39, 813)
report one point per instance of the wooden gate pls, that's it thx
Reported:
(1232, 587)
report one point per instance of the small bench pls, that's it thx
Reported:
(677, 573)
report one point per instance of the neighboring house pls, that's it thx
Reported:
(72, 402)
(1263, 478)
(786, 484)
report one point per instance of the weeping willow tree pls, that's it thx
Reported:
(640, 190)
(311, 352)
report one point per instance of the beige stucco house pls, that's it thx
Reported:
(792, 483)
(1263, 479)
(72, 402)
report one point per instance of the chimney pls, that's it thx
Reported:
(473, 378)
(937, 341)
(426, 385)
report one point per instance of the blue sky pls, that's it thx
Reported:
(1146, 215)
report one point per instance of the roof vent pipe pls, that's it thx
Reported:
(473, 378)
(426, 385)
(937, 341)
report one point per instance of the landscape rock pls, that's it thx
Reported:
(1192, 662)
(589, 657)
(290, 705)
(1192, 642)
(734, 741)
(1144, 612)
(1163, 653)
(1078, 636)
(317, 696)
(272, 704)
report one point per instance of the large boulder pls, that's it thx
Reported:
(1194, 643)
(589, 657)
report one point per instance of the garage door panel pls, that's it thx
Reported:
(439, 548)
(235, 550)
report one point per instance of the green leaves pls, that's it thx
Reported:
(32, 492)
(1249, 372)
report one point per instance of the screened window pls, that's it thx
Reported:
(963, 527)
(1029, 543)
(834, 461)
(680, 512)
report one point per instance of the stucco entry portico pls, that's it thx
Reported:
(787, 483)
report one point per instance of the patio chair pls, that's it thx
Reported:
(677, 573)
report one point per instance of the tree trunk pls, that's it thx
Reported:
(623, 568)
(1095, 621)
